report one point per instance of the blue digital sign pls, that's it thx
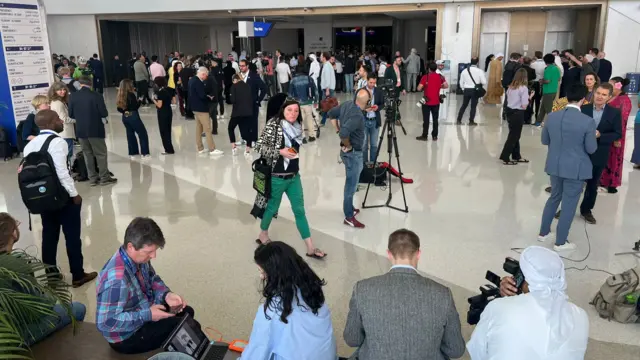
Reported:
(261, 29)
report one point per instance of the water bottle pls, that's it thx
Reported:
(632, 298)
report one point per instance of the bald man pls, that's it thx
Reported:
(348, 118)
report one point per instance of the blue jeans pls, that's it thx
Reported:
(70, 146)
(50, 324)
(353, 165)
(568, 192)
(134, 125)
(348, 78)
(323, 94)
(370, 140)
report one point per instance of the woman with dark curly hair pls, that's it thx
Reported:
(294, 322)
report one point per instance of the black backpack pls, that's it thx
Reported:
(39, 183)
(19, 139)
(71, 86)
(6, 151)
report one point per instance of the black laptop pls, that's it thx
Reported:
(189, 339)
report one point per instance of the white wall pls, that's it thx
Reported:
(73, 35)
(145, 6)
(286, 40)
(220, 35)
(622, 39)
(318, 37)
(457, 46)
(414, 34)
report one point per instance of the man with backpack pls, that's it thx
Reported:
(54, 195)
(303, 89)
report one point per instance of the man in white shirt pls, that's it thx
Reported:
(234, 63)
(468, 80)
(234, 54)
(540, 324)
(68, 217)
(327, 80)
(284, 75)
(382, 67)
(425, 326)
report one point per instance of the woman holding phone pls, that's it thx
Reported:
(279, 144)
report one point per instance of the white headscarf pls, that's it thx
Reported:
(543, 270)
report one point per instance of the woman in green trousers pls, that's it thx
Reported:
(279, 144)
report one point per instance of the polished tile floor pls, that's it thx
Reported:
(469, 210)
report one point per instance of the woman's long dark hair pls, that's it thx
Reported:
(286, 273)
(625, 83)
(487, 61)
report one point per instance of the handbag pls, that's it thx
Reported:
(480, 91)
(262, 177)
(328, 103)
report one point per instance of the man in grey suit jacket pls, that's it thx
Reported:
(402, 315)
(571, 137)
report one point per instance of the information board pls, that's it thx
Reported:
(25, 60)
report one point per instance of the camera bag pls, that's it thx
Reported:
(611, 302)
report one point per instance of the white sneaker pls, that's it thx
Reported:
(220, 116)
(132, 157)
(545, 237)
(216, 152)
(565, 247)
(234, 151)
(203, 151)
(146, 157)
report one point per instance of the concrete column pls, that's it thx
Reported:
(364, 38)
(397, 43)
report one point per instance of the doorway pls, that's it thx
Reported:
(491, 44)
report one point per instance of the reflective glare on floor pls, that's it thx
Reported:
(469, 210)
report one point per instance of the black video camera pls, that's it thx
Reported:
(490, 292)
(391, 98)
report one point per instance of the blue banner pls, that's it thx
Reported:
(261, 29)
(7, 120)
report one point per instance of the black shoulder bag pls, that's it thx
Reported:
(262, 177)
(480, 91)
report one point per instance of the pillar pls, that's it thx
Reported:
(364, 38)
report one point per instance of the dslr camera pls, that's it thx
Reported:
(391, 98)
(491, 291)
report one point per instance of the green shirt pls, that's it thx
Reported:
(551, 73)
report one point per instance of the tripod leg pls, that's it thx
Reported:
(394, 139)
(386, 125)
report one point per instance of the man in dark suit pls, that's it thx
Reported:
(609, 129)
(571, 138)
(391, 73)
(98, 73)
(258, 90)
(402, 315)
(119, 70)
(605, 69)
(88, 109)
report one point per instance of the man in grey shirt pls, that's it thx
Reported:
(142, 80)
(351, 131)
(403, 315)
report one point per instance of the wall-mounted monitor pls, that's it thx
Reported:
(261, 29)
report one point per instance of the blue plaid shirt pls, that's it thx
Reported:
(122, 305)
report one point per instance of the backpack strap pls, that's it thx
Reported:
(45, 146)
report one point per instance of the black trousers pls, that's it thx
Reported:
(67, 218)
(591, 190)
(468, 97)
(504, 104)
(164, 125)
(187, 109)
(340, 82)
(143, 91)
(537, 97)
(243, 122)
(511, 149)
(433, 110)
(285, 87)
(213, 114)
(253, 127)
(221, 101)
(151, 335)
(98, 84)
(227, 93)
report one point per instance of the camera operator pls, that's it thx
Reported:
(538, 324)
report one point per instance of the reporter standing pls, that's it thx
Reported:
(162, 100)
(517, 102)
(68, 217)
(431, 83)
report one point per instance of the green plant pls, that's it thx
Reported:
(28, 292)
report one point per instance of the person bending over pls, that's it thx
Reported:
(294, 322)
(402, 315)
(136, 311)
(538, 324)
(46, 325)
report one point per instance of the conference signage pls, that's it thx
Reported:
(261, 29)
(25, 60)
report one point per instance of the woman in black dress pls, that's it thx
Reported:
(229, 71)
(162, 99)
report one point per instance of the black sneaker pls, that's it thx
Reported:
(422, 138)
(434, 138)
(312, 139)
(94, 183)
(472, 123)
(304, 140)
(108, 181)
(557, 216)
(588, 217)
(548, 189)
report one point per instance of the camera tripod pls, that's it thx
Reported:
(392, 146)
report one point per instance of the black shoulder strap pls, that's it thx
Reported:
(471, 76)
(45, 146)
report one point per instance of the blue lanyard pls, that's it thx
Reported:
(145, 282)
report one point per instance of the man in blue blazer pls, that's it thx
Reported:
(571, 138)
(608, 121)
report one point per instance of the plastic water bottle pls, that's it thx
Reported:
(633, 297)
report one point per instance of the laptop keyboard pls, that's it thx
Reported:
(216, 353)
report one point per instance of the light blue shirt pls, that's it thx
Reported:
(305, 337)
(372, 114)
(403, 267)
(597, 114)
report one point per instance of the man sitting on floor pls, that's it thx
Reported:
(136, 311)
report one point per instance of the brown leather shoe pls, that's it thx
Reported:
(85, 279)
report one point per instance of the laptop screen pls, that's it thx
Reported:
(188, 339)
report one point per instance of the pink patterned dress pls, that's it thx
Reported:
(612, 174)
